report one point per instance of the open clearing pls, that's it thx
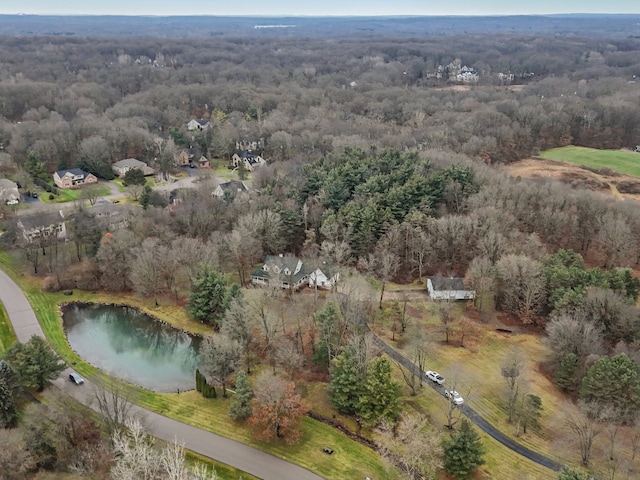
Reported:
(603, 180)
(621, 161)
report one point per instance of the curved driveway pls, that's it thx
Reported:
(474, 416)
(238, 455)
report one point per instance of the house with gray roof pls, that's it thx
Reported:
(123, 166)
(42, 225)
(292, 273)
(449, 288)
(230, 188)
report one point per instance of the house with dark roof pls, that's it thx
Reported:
(230, 188)
(248, 160)
(292, 273)
(287, 271)
(73, 178)
(449, 288)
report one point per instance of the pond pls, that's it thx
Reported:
(132, 346)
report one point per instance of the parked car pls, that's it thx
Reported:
(455, 396)
(75, 378)
(434, 377)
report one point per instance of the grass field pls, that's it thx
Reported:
(619, 161)
(7, 336)
(350, 460)
(68, 195)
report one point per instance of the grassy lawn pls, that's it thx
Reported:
(350, 460)
(122, 189)
(7, 336)
(68, 195)
(617, 160)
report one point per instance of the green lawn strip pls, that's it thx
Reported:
(617, 160)
(7, 335)
(350, 459)
(225, 472)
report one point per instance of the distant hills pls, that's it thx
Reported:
(587, 25)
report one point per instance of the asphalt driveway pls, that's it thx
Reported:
(236, 454)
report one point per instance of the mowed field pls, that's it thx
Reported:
(620, 161)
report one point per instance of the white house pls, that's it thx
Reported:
(9, 193)
(323, 277)
(449, 288)
(198, 124)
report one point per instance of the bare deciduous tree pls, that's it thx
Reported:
(586, 426)
(411, 446)
(511, 368)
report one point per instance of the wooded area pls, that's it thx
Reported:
(381, 161)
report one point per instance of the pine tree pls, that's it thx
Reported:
(8, 390)
(198, 381)
(463, 452)
(210, 297)
(144, 196)
(346, 387)
(565, 375)
(35, 362)
(381, 393)
(241, 406)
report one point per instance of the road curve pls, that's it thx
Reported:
(230, 452)
(474, 416)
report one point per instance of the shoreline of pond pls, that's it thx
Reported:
(64, 307)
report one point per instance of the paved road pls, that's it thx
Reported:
(474, 416)
(238, 455)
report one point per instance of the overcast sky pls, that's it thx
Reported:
(320, 7)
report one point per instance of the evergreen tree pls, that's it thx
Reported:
(571, 474)
(9, 388)
(144, 196)
(35, 362)
(565, 375)
(133, 176)
(463, 452)
(210, 297)
(381, 393)
(346, 387)
(241, 406)
(613, 382)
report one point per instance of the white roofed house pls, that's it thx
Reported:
(198, 124)
(449, 288)
(9, 193)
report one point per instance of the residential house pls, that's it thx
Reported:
(199, 124)
(323, 276)
(9, 193)
(288, 271)
(449, 288)
(230, 188)
(73, 178)
(123, 166)
(42, 225)
(248, 160)
(250, 144)
(111, 216)
(191, 156)
(292, 273)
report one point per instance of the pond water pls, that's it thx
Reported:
(132, 346)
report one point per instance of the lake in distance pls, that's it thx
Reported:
(132, 346)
